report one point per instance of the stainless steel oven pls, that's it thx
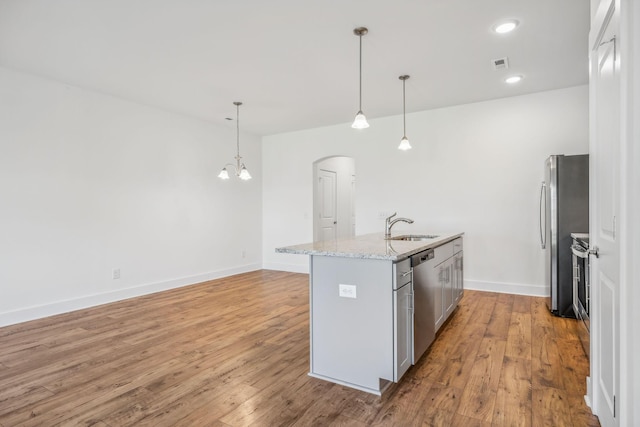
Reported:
(581, 287)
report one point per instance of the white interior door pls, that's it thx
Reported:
(334, 198)
(327, 198)
(605, 208)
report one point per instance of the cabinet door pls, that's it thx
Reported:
(403, 330)
(458, 277)
(448, 288)
(438, 294)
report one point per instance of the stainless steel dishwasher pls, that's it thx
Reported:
(424, 328)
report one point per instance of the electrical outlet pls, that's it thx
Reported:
(347, 291)
(116, 273)
(243, 253)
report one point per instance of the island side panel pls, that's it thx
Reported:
(352, 338)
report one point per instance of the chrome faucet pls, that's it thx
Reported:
(389, 224)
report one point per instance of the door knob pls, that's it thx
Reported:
(594, 251)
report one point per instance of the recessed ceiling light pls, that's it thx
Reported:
(506, 26)
(513, 79)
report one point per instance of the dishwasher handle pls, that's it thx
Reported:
(422, 257)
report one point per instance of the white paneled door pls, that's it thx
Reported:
(327, 196)
(604, 210)
(333, 198)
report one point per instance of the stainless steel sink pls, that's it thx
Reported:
(414, 237)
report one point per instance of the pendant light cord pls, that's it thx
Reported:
(238, 129)
(404, 113)
(360, 106)
(360, 121)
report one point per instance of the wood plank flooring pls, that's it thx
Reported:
(235, 352)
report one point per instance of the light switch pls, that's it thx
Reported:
(347, 291)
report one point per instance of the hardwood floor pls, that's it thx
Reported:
(235, 352)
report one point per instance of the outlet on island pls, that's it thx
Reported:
(347, 291)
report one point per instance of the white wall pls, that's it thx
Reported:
(89, 183)
(475, 168)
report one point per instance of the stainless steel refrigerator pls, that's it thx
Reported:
(564, 209)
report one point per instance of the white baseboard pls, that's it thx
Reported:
(476, 285)
(507, 288)
(292, 268)
(59, 307)
(587, 397)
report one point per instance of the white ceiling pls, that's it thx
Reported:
(294, 63)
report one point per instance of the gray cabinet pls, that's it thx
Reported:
(448, 280)
(362, 315)
(371, 313)
(449, 301)
(458, 272)
(361, 321)
(403, 319)
(439, 295)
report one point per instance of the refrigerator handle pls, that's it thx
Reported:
(541, 213)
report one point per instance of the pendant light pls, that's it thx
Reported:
(240, 169)
(404, 142)
(360, 121)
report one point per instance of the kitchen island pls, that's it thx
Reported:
(371, 298)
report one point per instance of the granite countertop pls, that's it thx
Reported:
(369, 246)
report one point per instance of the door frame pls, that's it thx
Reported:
(605, 401)
(630, 211)
(629, 229)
